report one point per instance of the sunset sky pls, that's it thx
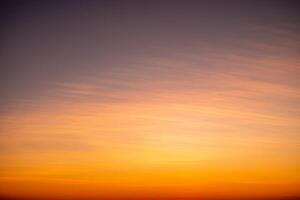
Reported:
(150, 99)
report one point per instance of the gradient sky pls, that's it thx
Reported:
(150, 98)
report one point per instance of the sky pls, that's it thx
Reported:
(150, 99)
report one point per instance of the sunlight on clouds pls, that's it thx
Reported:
(189, 120)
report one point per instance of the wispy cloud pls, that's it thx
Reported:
(200, 111)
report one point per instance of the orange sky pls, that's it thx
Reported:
(201, 121)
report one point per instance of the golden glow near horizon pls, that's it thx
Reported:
(162, 126)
